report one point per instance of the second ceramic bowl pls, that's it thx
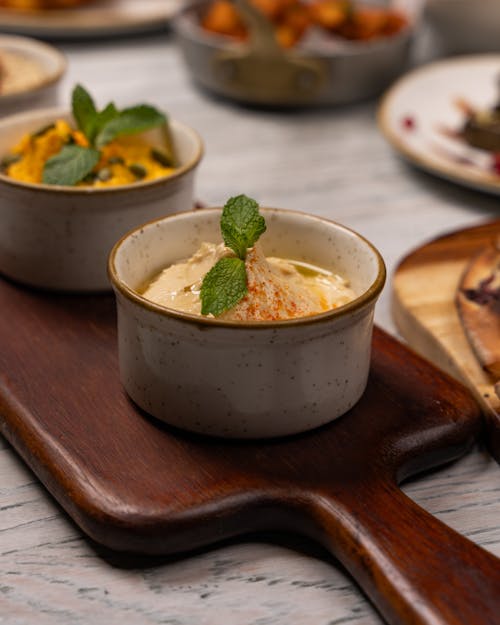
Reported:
(252, 379)
(60, 237)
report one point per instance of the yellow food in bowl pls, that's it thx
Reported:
(125, 160)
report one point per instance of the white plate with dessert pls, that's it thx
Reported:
(445, 118)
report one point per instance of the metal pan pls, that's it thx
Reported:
(260, 72)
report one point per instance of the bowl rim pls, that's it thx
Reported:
(35, 49)
(368, 296)
(133, 187)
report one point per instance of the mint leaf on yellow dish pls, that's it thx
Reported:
(88, 119)
(130, 121)
(104, 117)
(241, 224)
(70, 165)
(223, 286)
(84, 111)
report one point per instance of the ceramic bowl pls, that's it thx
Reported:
(36, 81)
(465, 26)
(254, 379)
(60, 237)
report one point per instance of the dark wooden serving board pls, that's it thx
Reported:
(133, 484)
(424, 290)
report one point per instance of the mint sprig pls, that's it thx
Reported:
(241, 224)
(102, 127)
(99, 128)
(128, 122)
(226, 283)
(84, 111)
(70, 165)
(223, 286)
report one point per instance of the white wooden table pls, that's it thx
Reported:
(332, 163)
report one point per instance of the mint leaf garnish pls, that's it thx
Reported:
(241, 224)
(101, 127)
(226, 283)
(70, 165)
(73, 163)
(104, 117)
(130, 121)
(223, 286)
(84, 110)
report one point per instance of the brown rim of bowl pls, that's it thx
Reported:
(133, 187)
(483, 181)
(370, 295)
(51, 78)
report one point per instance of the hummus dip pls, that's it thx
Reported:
(277, 288)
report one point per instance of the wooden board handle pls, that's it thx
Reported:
(416, 570)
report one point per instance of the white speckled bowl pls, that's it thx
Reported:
(60, 237)
(244, 380)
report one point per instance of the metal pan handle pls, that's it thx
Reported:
(261, 70)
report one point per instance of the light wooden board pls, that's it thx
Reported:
(424, 289)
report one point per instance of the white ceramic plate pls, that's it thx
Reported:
(100, 18)
(421, 108)
(32, 71)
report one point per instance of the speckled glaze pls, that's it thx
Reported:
(245, 380)
(60, 237)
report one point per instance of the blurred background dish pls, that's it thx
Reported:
(248, 59)
(30, 5)
(30, 72)
(87, 19)
(427, 115)
(294, 20)
(465, 26)
(59, 237)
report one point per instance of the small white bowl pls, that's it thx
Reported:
(465, 26)
(245, 380)
(60, 237)
(40, 89)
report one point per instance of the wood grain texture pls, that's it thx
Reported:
(424, 290)
(332, 163)
(135, 485)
